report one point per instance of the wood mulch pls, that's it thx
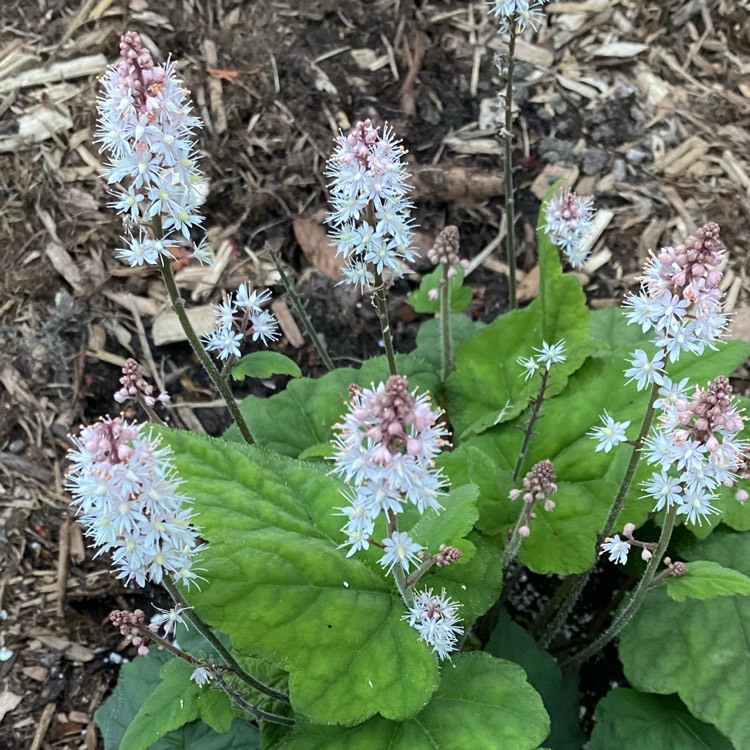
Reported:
(644, 104)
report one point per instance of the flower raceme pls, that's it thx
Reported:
(680, 301)
(385, 449)
(370, 220)
(126, 493)
(146, 129)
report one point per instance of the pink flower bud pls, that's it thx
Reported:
(514, 494)
(646, 554)
(433, 294)
(524, 531)
(628, 530)
(741, 496)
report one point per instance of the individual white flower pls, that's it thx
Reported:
(609, 434)
(617, 548)
(399, 549)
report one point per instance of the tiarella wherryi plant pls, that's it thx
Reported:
(344, 560)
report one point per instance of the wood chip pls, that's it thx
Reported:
(619, 49)
(287, 323)
(90, 65)
(317, 247)
(213, 83)
(8, 701)
(550, 175)
(455, 184)
(166, 328)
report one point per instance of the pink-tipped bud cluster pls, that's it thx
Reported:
(386, 447)
(680, 299)
(370, 217)
(568, 217)
(447, 556)
(445, 249)
(146, 129)
(132, 625)
(538, 485)
(135, 386)
(126, 494)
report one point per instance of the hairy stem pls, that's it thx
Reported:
(300, 311)
(529, 431)
(619, 502)
(398, 573)
(446, 350)
(234, 666)
(385, 326)
(510, 240)
(624, 616)
(240, 702)
(203, 356)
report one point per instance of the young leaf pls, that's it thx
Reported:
(429, 333)
(482, 702)
(199, 736)
(487, 386)
(460, 296)
(135, 683)
(281, 588)
(303, 415)
(174, 702)
(560, 694)
(264, 364)
(707, 580)
(658, 722)
(697, 649)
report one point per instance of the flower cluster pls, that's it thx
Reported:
(134, 385)
(146, 129)
(386, 448)
(568, 218)
(240, 317)
(126, 492)
(695, 449)
(436, 619)
(547, 355)
(370, 217)
(517, 14)
(538, 484)
(680, 301)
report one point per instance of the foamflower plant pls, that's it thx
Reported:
(355, 562)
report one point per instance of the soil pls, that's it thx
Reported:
(289, 74)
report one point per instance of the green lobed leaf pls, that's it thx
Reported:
(697, 649)
(655, 722)
(707, 580)
(487, 386)
(303, 415)
(482, 702)
(174, 702)
(460, 296)
(136, 681)
(265, 364)
(429, 333)
(199, 736)
(560, 694)
(282, 590)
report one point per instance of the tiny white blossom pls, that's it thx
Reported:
(617, 548)
(610, 433)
